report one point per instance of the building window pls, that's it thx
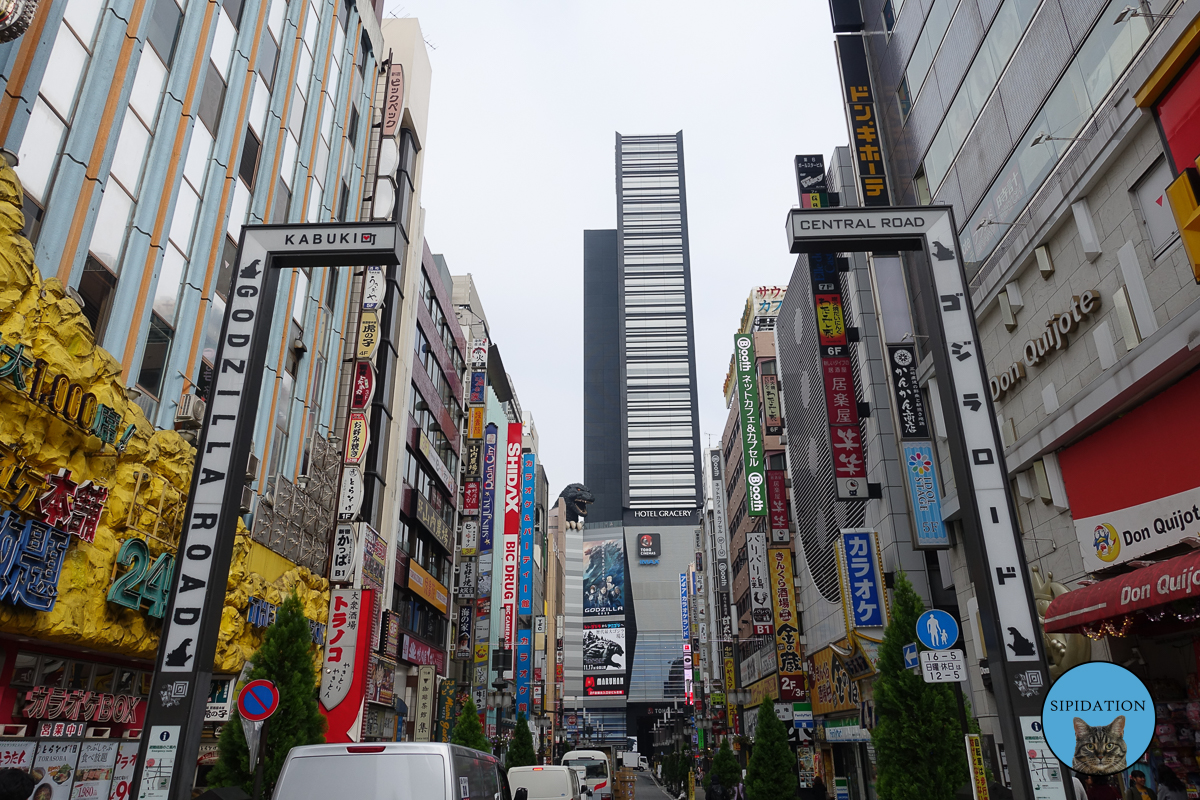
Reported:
(890, 10)
(154, 357)
(162, 32)
(96, 287)
(225, 274)
(903, 98)
(212, 97)
(249, 164)
(283, 201)
(33, 219)
(921, 185)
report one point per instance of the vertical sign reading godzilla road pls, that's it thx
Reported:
(179, 695)
(753, 463)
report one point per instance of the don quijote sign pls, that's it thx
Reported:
(1053, 339)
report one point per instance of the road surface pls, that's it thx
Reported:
(647, 789)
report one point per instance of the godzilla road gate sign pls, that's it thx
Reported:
(990, 535)
(187, 646)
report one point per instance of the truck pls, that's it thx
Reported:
(631, 760)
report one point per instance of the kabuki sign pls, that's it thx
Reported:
(993, 546)
(190, 629)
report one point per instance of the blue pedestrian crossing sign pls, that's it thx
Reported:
(937, 630)
(910, 655)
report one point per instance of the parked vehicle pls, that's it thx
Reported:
(596, 771)
(391, 771)
(547, 783)
(643, 762)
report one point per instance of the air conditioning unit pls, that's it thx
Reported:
(247, 500)
(783, 439)
(190, 411)
(251, 466)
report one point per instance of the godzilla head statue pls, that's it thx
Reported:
(578, 498)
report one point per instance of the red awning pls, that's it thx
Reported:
(1117, 598)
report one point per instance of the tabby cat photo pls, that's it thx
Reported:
(1099, 749)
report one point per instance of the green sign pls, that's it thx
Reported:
(753, 463)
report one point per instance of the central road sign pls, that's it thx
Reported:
(258, 700)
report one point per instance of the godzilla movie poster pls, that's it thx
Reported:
(604, 646)
(604, 578)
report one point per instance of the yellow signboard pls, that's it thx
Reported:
(789, 652)
(979, 787)
(481, 653)
(428, 587)
(475, 426)
(358, 436)
(368, 334)
(765, 689)
(832, 688)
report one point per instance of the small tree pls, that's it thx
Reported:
(772, 771)
(520, 752)
(918, 739)
(468, 732)
(284, 658)
(725, 767)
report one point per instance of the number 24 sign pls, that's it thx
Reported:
(143, 582)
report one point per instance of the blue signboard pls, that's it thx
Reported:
(487, 500)
(921, 471)
(910, 655)
(937, 630)
(525, 542)
(864, 595)
(523, 670)
(683, 607)
(478, 388)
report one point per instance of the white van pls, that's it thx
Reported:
(595, 768)
(390, 771)
(546, 783)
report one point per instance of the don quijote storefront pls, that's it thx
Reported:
(92, 498)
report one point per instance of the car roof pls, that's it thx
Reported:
(546, 768)
(388, 748)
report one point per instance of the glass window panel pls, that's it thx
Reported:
(109, 234)
(162, 30)
(39, 149)
(154, 357)
(126, 682)
(300, 301)
(238, 208)
(147, 86)
(64, 72)
(314, 202)
(287, 165)
(321, 164)
(335, 72)
(212, 328)
(196, 165)
(83, 16)
(79, 675)
(275, 16)
(311, 20)
(130, 152)
(24, 669)
(304, 71)
(166, 291)
(327, 119)
(1067, 107)
(186, 203)
(212, 99)
(223, 40)
(1108, 50)
(296, 113)
(54, 670)
(258, 104)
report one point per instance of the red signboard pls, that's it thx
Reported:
(1178, 112)
(512, 527)
(840, 399)
(344, 686)
(470, 506)
(419, 653)
(777, 505)
(362, 389)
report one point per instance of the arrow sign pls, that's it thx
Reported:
(258, 700)
(972, 401)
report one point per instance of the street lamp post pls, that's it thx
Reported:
(500, 698)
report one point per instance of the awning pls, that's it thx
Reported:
(1114, 601)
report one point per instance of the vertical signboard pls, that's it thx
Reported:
(841, 397)
(788, 651)
(512, 526)
(860, 112)
(478, 388)
(920, 466)
(860, 572)
(686, 620)
(760, 592)
(344, 671)
(523, 670)
(528, 512)
(772, 413)
(778, 504)
(426, 675)
(487, 498)
(753, 462)
(716, 466)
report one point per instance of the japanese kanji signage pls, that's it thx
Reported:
(473, 459)
(467, 579)
(362, 389)
(523, 669)
(54, 499)
(487, 500)
(470, 499)
(810, 175)
(841, 399)
(393, 103)
(864, 129)
(45, 702)
(478, 389)
(470, 537)
(31, 559)
(788, 650)
(344, 671)
(910, 407)
(528, 512)
(753, 462)
(345, 543)
(475, 418)
(466, 613)
(358, 436)
(772, 414)
(720, 522)
(368, 335)
(426, 676)
(777, 499)
(479, 353)
(351, 498)
(760, 592)
(860, 573)
(374, 287)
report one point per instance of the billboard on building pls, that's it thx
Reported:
(512, 525)
(525, 542)
(604, 577)
(716, 466)
(604, 647)
(487, 497)
(753, 461)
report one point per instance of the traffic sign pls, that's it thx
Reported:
(943, 666)
(937, 630)
(910, 655)
(258, 700)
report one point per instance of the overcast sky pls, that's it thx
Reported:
(526, 98)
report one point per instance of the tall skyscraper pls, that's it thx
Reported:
(641, 448)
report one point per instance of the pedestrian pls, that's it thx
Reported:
(15, 784)
(1101, 788)
(1137, 787)
(1169, 785)
(716, 790)
(1080, 791)
(818, 789)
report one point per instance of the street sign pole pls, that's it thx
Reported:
(991, 540)
(187, 645)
